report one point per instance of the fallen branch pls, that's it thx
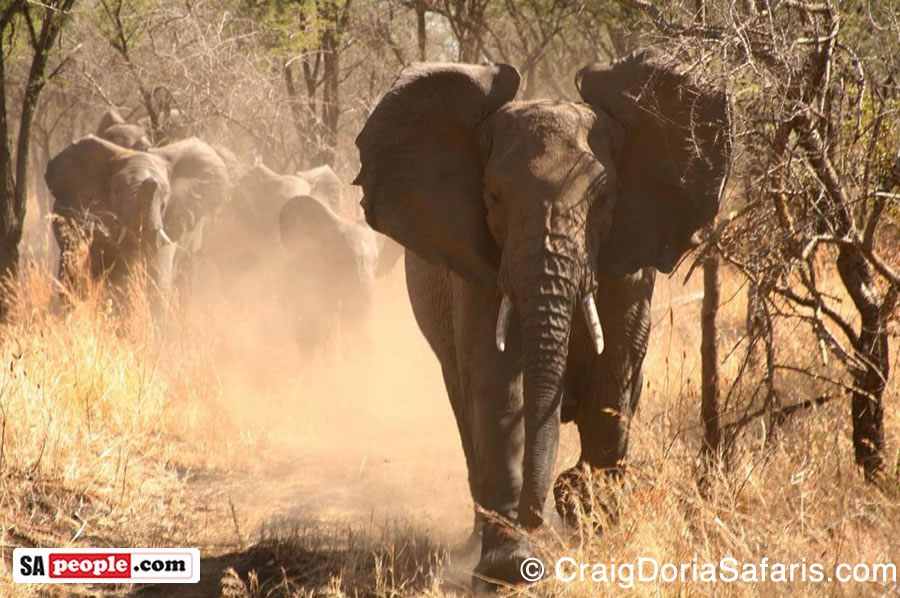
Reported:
(781, 413)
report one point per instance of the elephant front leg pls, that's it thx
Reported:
(495, 473)
(490, 385)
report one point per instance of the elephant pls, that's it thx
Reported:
(526, 212)
(113, 128)
(201, 187)
(330, 263)
(278, 239)
(328, 188)
(134, 207)
(243, 240)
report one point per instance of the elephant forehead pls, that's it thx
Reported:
(541, 143)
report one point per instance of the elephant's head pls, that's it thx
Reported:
(200, 186)
(127, 190)
(317, 237)
(538, 198)
(327, 187)
(113, 128)
(129, 136)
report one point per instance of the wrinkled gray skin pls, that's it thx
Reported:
(276, 238)
(113, 128)
(547, 203)
(137, 208)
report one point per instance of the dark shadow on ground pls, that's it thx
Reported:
(303, 562)
(231, 571)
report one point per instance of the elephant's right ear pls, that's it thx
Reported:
(80, 173)
(421, 164)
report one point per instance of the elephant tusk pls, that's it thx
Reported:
(593, 321)
(165, 236)
(503, 322)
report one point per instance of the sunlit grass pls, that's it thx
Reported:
(105, 415)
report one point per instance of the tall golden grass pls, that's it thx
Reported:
(106, 418)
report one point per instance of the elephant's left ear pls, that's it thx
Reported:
(675, 159)
(421, 163)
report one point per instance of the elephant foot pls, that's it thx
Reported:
(577, 500)
(501, 561)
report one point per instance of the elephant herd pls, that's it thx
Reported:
(515, 216)
(122, 206)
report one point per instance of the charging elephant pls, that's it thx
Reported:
(133, 207)
(113, 128)
(524, 213)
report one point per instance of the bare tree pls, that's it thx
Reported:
(817, 91)
(42, 25)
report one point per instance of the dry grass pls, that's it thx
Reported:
(121, 420)
(94, 428)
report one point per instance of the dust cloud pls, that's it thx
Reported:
(357, 432)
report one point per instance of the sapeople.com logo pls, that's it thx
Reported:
(98, 565)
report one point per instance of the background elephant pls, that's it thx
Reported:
(330, 264)
(526, 213)
(201, 186)
(113, 128)
(277, 239)
(327, 187)
(242, 242)
(132, 207)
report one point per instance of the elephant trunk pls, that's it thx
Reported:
(157, 248)
(546, 307)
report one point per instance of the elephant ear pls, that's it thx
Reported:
(80, 174)
(421, 165)
(674, 160)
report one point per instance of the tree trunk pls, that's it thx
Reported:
(294, 103)
(13, 187)
(9, 224)
(709, 401)
(330, 98)
(870, 380)
(311, 79)
(420, 28)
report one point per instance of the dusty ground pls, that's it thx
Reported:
(359, 444)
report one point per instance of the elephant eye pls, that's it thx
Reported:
(491, 198)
